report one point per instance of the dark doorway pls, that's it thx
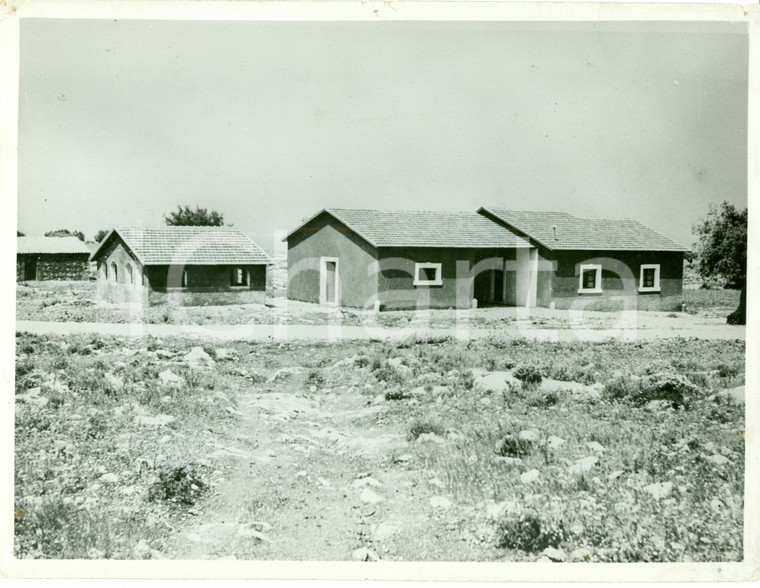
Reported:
(330, 282)
(498, 286)
(30, 270)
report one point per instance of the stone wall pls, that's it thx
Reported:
(55, 267)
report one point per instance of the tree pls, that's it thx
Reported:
(721, 249)
(100, 235)
(200, 217)
(66, 233)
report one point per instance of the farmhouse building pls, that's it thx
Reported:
(186, 266)
(409, 259)
(51, 258)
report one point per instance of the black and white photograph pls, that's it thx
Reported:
(379, 288)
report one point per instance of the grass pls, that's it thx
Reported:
(98, 390)
(713, 299)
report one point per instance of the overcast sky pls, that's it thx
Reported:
(269, 122)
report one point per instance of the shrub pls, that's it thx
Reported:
(395, 394)
(361, 361)
(180, 485)
(545, 400)
(528, 532)
(419, 427)
(388, 375)
(314, 378)
(528, 375)
(673, 388)
(511, 446)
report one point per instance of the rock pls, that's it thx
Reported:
(115, 382)
(197, 357)
(418, 391)
(485, 401)
(142, 550)
(370, 497)
(395, 362)
(615, 475)
(384, 531)
(155, 421)
(530, 476)
(364, 554)
(225, 353)
(367, 481)
(440, 502)
(718, 459)
(735, 394)
(543, 559)
(405, 458)
(554, 442)
(657, 405)
(109, 478)
(437, 483)
(580, 554)
(596, 447)
(584, 465)
(530, 435)
(169, 378)
(554, 554)
(659, 490)
(495, 382)
(379, 399)
(430, 438)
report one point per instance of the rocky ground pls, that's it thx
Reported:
(415, 451)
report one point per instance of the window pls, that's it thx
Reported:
(130, 274)
(239, 277)
(114, 272)
(184, 279)
(590, 279)
(427, 274)
(649, 278)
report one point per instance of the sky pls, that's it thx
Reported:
(269, 122)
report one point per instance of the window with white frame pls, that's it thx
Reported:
(239, 277)
(649, 278)
(427, 274)
(590, 279)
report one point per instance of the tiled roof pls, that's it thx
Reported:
(583, 233)
(191, 246)
(411, 228)
(50, 245)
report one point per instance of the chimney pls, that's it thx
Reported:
(554, 232)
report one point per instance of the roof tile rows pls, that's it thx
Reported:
(191, 246)
(560, 230)
(394, 228)
(50, 245)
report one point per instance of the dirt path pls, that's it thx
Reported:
(632, 332)
(316, 478)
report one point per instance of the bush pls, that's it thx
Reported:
(419, 427)
(528, 375)
(528, 532)
(673, 388)
(180, 485)
(388, 375)
(314, 378)
(395, 394)
(511, 446)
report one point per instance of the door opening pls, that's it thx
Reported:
(330, 283)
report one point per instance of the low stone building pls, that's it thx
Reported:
(185, 266)
(51, 258)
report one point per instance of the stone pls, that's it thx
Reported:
(115, 382)
(370, 497)
(379, 399)
(384, 531)
(169, 378)
(405, 458)
(718, 459)
(197, 357)
(530, 435)
(584, 465)
(659, 490)
(440, 502)
(418, 391)
(364, 554)
(554, 554)
(225, 353)
(485, 401)
(495, 382)
(596, 447)
(554, 442)
(367, 481)
(109, 478)
(155, 421)
(431, 438)
(530, 476)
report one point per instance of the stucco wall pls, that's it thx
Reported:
(73, 266)
(119, 287)
(324, 236)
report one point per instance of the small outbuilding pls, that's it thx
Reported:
(186, 266)
(51, 258)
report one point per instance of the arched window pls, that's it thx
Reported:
(114, 272)
(130, 274)
(239, 277)
(104, 271)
